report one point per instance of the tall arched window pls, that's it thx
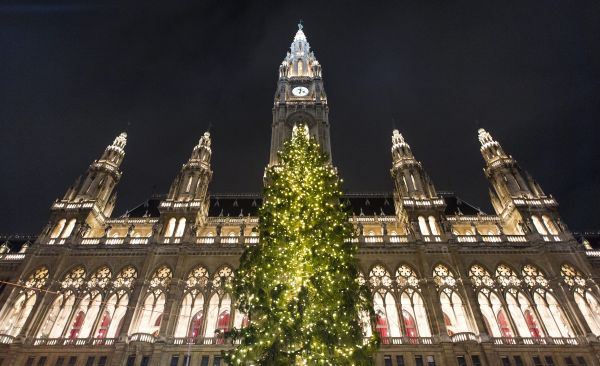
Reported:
(191, 314)
(423, 226)
(586, 300)
(60, 225)
(116, 305)
(14, 315)
(550, 225)
(387, 321)
(219, 305)
(433, 225)
(551, 313)
(69, 229)
(170, 227)
(412, 306)
(150, 318)
(180, 228)
(455, 314)
(60, 312)
(493, 311)
(538, 225)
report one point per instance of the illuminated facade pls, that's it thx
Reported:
(451, 285)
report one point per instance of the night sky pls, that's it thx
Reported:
(74, 75)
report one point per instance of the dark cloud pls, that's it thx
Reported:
(71, 80)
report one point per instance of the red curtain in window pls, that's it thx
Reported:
(381, 326)
(409, 324)
(77, 325)
(504, 325)
(532, 324)
(104, 324)
(196, 325)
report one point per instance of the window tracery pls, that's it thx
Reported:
(586, 300)
(74, 279)
(507, 277)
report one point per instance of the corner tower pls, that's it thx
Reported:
(517, 198)
(300, 97)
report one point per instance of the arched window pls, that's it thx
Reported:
(170, 227)
(58, 228)
(433, 225)
(60, 311)
(118, 300)
(13, 317)
(550, 225)
(551, 313)
(423, 226)
(69, 229)
(191, 316)
(455, 315)
(411, 303)
(154, 305)
(384, 303)
(490, 305)
(587, 302)
(219, 304)
(180, 228)
(538, 225)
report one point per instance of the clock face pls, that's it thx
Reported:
(300, 91)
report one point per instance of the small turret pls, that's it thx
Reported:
(515, 196)
(417, 203)
(186, 205)
(91, 198)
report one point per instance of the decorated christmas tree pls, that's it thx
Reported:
(300, 285)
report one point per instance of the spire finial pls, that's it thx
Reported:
(300, 24)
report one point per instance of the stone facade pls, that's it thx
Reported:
(451, 284)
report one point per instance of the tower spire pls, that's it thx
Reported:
(515, 195)
(300, 97)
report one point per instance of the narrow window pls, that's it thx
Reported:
(145, 361)
(131, 360)
(518, 361)
(217, 361)
(29, 361)
(204, 361)
(90, 361)
(59, 361)
(73, 361)
(476, 360)
(102, 361)
(387, 360)
(568, 361)
(174, 360)
(430, 361)
(581, 361)
(549, 360)
(189, 185)
(537, 361)
(186, 360)
(460, 360)
(423, 226)
(412, 178)
(505, 361)
(399, 360)
(418, 360)
(42, 361)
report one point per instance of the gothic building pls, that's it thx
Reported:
(451, 285)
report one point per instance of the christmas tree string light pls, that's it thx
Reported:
(300, 284)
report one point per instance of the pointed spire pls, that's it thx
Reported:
(400, 148)
(300, 36)
(490, 148)
(120, 141)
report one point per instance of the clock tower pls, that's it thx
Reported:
(300, 97)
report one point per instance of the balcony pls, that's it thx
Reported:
(6, 339)
(73, 341)
(536, 341)
(142, 337)
(206, 341)
(385, 341)
(464, 337)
